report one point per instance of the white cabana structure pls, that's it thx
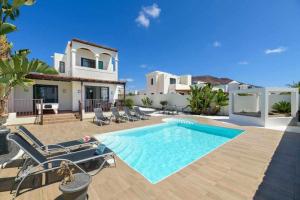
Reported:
(254, 106)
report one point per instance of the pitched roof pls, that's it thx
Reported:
(211, 79)
(68, 78)
(93, 44)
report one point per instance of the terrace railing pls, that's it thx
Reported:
(90, 104)
(27, 108)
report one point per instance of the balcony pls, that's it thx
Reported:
(85, 72)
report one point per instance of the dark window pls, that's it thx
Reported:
(49, 93)
(151, 81)
(93, 92)
(85, 62)
(100, 64)
(62, 67)
(172, 80)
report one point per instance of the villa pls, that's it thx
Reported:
(159, 82)
(88, 75)
(75, 130)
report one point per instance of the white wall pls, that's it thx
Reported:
(64, 95)
(275, 98)
(172, 99)
(246, 103)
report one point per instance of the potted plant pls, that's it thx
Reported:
(73, 186)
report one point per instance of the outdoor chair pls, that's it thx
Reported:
(129, 115)
(140, 114)
(99, 118)
(118, 117)
(36, 163)
(51, 148)
(172, 110)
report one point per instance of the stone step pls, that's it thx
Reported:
(54, 121)
(60, 118)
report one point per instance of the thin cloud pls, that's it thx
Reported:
(152, 11)
(276, 50)
(142, 20)
(243, 62)
(146, 13)
(217, 44)
(144, 66)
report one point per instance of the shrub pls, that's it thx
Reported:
(147, 102)
(129, 103)
(163, 103)
(282, 107)
(205, 100)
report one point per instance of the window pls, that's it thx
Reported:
(100, 64)
(49, 93)
(152, 81)
(62, 67)
(94, 92)
(85, 62)
(172, 81)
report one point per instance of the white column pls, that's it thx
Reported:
(73, 61)
(116, 67)
(294, 103)
(231, 103)
(97, 59)
(264, 105)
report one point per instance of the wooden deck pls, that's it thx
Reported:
(260, 164)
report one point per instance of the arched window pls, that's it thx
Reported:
(85, 58)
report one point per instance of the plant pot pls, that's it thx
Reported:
(77, 189)
(3, 142)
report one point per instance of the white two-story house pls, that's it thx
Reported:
(159, 82)
(88, 73)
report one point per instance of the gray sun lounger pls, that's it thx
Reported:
(63, 146)
(118, 117)
(99, 118)
(129, 115)
(36, 163)
(140, 114)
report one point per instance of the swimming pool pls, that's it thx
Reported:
(159, 151)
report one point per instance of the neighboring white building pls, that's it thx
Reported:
(224, 84)
(88, 73)
(163, 83)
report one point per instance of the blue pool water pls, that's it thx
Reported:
(158, 151)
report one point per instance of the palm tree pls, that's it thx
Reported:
(13, 72)
(295, 85)
(4, 47)
(9, 10)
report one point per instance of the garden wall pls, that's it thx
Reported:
(173, 100)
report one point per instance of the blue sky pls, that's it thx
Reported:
(253, 41)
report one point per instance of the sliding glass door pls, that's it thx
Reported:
(94, 92)
(49, 93)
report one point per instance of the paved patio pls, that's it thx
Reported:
(260, 164)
